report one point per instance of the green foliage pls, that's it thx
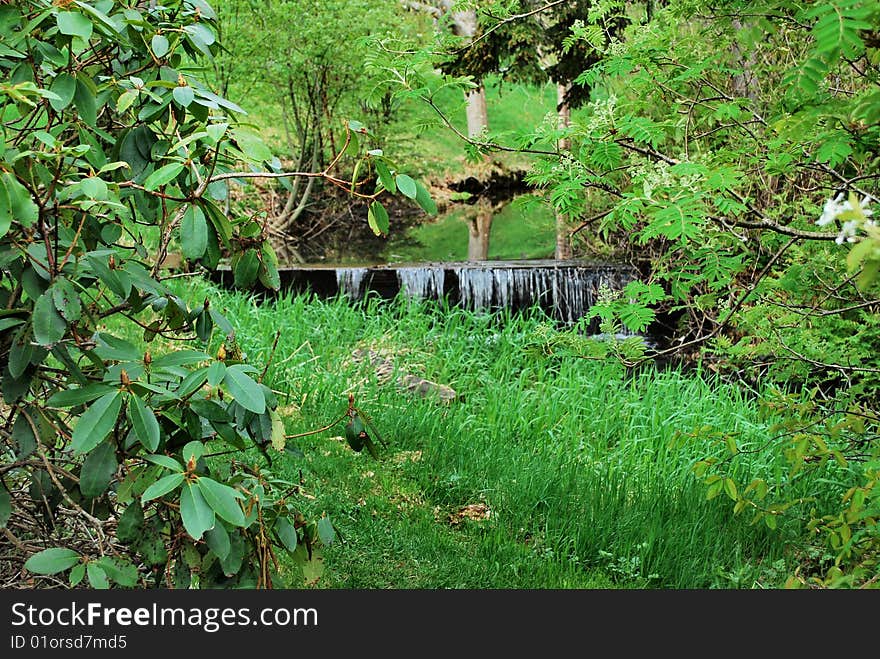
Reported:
(737, 154)
(111, 145)
(841, 448)
(572, 456)
(309, 79)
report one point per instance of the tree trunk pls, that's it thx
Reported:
(477, 114)
(563, 246)
(479, 228)
(464, 24)
(745, 84)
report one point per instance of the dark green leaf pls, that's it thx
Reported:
(15, 388)
(180, 358)
(51, 561)
(135, 148)
(23, 436)
(97, 422)
(49, 325)
(209, 409)
(221, 321)
(74, 24)
(204, 326)
(20, 353)
(269, 276)
(163, 175)
(160, 45)
(193, 233)
(286, 533)
(232, 563)
(111, 348)
(218, 540)
(385, 176)
(219, 221)
(78, 395)
(84, 99)
(97, 577)
(223, 500)
(152, 547)
(377, 218)
(244, 389)
(130, 523)
(144, 423)
(326, 531)
(162, 487)
(192, 382)
(98, 470)
(195, 512)
(6, 323)
(122, 572)
(165, 461)
(245, 268)
(66, 299)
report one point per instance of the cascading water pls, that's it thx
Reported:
(564, 289)
(569, 290)
(422, 282)
(475, 287)
(350, 281)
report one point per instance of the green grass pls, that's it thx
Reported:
(573, 458)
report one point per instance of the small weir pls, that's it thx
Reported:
(564, 289)
(350, 282)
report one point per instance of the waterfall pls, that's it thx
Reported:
(564, 289)
(475, 286)
(350, 281)
(569, 290)
(424, 283)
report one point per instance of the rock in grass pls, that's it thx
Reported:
(406, 381)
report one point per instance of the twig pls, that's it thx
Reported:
(837, 367)
(271, 356)
(315, 432)
(583, 225)
(94, 521)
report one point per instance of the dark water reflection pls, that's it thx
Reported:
(466, 232)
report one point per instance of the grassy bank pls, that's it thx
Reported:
(566, 465)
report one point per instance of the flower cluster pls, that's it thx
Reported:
(855, 213)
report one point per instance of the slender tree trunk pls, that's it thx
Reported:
(563, 246)
(477, 114)
(464, 24)
(479, 228)
(745, 84)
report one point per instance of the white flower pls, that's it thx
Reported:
(847, 232)
(833, 207)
